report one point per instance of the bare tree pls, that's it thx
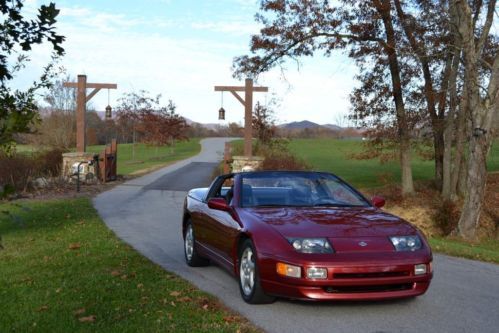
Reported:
(58, 126)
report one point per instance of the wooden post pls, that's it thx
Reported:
(81, 102)
(227, 158)
(247, 102)
(248, 118)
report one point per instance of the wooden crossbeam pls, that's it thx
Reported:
(235, 88)
(92, 85)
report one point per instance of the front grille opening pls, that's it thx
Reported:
(369, 275)
(368, 289)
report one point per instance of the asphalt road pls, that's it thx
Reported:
(146, 213)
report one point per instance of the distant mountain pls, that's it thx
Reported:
(299, 125)
(333, 127)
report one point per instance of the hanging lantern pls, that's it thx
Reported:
(221, 114)
(108, 112)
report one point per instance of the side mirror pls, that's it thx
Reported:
(378, 201)
(218, 204)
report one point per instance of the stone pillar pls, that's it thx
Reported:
(70, 162)
(245, 163)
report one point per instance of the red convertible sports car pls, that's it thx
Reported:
(304, 235)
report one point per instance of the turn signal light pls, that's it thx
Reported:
(288, 270)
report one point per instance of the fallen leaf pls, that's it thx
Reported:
(205, 307)
(172, 303)
(89, 319)
(124, 277)
(140, 285)
(42, 308)
(79, 312)
(74, 246)
(115, 273)
(184, 299)
(175, 293)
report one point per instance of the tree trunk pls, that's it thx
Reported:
(439, 148)
(458, 178)
(436, 119)
(448, 192)
(133, 143)
(384, 9)
(477, 178)
(447, 162)
(482, 112)
(406, 168)
(462, 177)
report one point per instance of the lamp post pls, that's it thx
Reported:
(247, 102)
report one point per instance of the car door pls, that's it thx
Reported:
(221, 227)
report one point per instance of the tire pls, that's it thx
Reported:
(249, 277)
(192, 258)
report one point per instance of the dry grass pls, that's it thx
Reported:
(426, 208)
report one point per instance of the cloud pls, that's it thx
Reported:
(181, 62)
(233, 27)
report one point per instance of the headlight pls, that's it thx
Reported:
(406, 243)
(311, 245)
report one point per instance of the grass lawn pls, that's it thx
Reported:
(147, 157)
(62, 270)
(333, 155)
(484, 251)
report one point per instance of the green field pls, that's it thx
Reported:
(149, 157)
(334, 156)
(62, 270)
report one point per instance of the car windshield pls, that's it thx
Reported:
(297, 189)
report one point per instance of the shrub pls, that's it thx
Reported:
(17, 172)
(278, 157)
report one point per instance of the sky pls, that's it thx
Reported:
(181, 49)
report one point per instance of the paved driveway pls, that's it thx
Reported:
(146, 213)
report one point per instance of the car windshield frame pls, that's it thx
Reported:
(255, 193)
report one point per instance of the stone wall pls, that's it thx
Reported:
(244, 163)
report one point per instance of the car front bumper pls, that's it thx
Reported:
(348, 281)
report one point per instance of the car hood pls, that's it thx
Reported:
(332, 222)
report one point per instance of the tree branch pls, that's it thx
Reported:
(486, 27)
